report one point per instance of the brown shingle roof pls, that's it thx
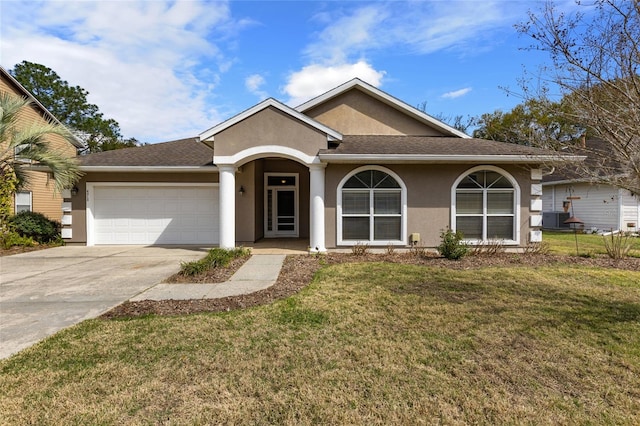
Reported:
(429, 145)
(181, 153)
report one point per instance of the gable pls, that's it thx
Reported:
(357, 113)
(35, 113)
(267, 127)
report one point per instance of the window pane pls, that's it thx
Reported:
(23, 202)
(496, 180)
(383, 180)
(386, 202)
(471, 227)
(355, 202)
(470, 181)
(281, 181)
(469, 202)
(499, 202)
(355, 182)
(386, 228)
(286, 203)
(355, 228)
(500, 227)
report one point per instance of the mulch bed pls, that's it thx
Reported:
(298, 270)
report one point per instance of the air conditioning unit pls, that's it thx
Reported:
(555, 220)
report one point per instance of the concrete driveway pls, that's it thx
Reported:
(45, 291)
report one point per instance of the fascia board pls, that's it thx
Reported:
(408, 158)
(384, 97)
(331, 134)
(150, 169)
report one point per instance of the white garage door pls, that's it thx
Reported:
(155, 215)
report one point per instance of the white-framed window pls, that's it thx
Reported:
(486, 206)
(23, 201)
(18, 150)
(371, 207)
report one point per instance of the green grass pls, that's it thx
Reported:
(588, 244)
(215, 258)
(368, 343)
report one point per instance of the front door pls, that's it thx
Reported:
(281, 205)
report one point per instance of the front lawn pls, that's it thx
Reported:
(588, 244)
(365, 343)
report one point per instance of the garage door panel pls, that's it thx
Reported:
(155, 215)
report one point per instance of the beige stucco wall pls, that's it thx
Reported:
(355, 113)
(249, 207)
(45, 199)
(79, 201)
(269, 127)
(428, 197)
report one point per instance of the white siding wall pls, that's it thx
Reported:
(547, 199)
(597, 206)
(630, 211)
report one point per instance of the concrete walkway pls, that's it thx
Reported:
(259, 272)
(43, 292)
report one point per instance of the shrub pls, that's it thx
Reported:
(37, 226)
(618, 244)
(490, 248)
(418, 251)
(452, 246)
(215, 258)
(11, 238)
(542, 247)
(359, 249)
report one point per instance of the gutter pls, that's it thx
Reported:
(425, 158)
(150, 169)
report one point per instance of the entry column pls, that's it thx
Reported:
(227, 206)
(316, 196)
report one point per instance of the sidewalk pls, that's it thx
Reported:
(259, 272)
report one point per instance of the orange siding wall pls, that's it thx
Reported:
(44, 198)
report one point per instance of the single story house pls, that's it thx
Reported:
(40, 195)
(352, 166)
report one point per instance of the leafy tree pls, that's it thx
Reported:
(535, 122)
(30, 140)
(595, 59)
(69, 105)
(458, 122)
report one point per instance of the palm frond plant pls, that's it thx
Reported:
(24, 146)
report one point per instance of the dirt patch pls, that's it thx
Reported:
(298, 270)
(22, 249)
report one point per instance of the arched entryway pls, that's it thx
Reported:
(271, 192)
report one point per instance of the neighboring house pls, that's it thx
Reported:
(40, 196)
(354, 165)
(601, 207)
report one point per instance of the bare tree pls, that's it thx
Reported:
(595, 59)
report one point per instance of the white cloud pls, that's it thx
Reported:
(253, 83)
(408, 27)
(418, 27)
(147, 64)
(456, 93)
(314, 80)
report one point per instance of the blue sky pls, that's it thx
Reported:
(171, 69)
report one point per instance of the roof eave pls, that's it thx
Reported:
(439, 159)
(208, 135)
(150, 169)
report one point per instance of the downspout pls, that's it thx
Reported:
(620, 209)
